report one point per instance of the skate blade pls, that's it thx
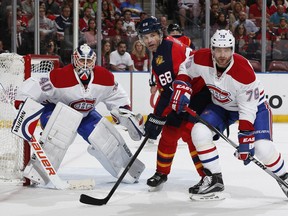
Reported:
(155, 189)
(209, 197)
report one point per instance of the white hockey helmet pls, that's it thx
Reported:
(223, 38)
(83, 60)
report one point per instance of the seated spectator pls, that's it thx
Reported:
(242, 40)
(214, 13)
(22, 19)
(93, 5)
(24, 44)
(282, 30)
(134, 7)
(90, 36)
(51, 49)
(46, 28)
(255, 12)
(28, 8)
(127, 21)
(245, 6)
(53, 7)
(83, 22)
(274, 5)
(117, 30)
(221, 23)
(107, 16)
(189, 8)
(120, 60)
(250, 26)
(234, 14)
(62, 22)
(175, 31)
(139, 56)
(164, 23)
(275, 17)
(105, 52)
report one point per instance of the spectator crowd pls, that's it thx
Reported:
(119, 27)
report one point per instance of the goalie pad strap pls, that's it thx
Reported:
(110, 149)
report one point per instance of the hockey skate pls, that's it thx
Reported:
(156, 182)
(209, 187)
(285, 178)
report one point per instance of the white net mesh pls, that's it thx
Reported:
(11, 147)
(12, 72)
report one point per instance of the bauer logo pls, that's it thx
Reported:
(19, 121)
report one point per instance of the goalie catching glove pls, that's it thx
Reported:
(181, 96)
(246, 146)
(133, 123)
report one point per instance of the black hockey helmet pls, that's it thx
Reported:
(149, 25)
(174, 27)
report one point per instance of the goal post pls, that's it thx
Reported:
(14, 69)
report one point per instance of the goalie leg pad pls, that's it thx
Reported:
(133, 123)
(58, 135)
(110, 149)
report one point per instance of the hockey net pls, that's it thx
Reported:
(14, 153)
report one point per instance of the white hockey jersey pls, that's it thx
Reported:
(237, 89)
(64, 85)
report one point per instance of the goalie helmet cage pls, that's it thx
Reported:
(14, 152)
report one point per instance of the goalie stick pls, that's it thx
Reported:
(46, 165)
(95, 201)
(281, 182)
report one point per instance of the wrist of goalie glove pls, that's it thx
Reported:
(246, 146)
(181, 96)
(153, 126)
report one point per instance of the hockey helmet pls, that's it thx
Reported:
(174, 27)
(223, 38)
(83, 60)
(149, 25)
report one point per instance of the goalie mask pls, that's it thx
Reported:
(83, 60)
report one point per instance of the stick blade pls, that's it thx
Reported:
(92, 201)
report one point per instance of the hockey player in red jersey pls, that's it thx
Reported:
(79, 87)
(168, 53)
(237, 94)
(175, 31)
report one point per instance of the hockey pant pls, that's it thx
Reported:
(168, 144)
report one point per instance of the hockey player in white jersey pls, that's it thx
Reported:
(70, 95)
(237, 94)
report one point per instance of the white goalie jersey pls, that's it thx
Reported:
(62, 85)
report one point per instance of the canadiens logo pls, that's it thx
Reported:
(83, 105)
(219, 95)
(159, 60)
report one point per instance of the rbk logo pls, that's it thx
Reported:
(219, 94)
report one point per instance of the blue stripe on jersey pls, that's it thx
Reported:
(210, 160)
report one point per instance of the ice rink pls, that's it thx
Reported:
(250, 190)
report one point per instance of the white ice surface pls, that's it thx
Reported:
(251, 190)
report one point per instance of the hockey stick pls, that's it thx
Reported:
(251, 158)
(95, 201)
(45, 163)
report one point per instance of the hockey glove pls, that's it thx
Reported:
(181, 96)
(246, 146)
(153, 125)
